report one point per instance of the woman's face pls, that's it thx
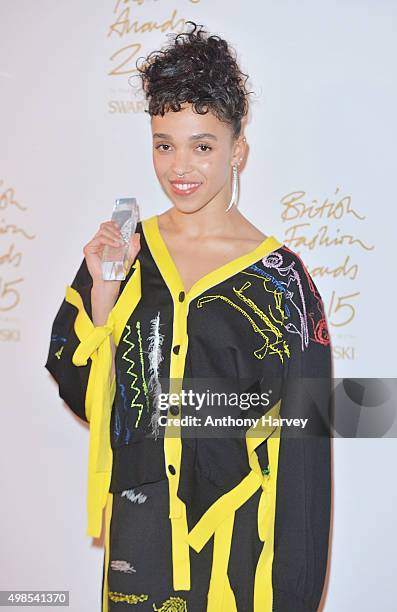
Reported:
(200, 147)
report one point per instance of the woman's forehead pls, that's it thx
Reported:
(187, 123)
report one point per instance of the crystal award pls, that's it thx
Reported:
(115, 259)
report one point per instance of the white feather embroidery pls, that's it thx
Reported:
(134, 497)
(122, 566)
(155, 358)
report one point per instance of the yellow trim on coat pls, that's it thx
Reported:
(263, 584)
(172, 435)
(95, 343)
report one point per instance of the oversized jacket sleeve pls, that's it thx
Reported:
(72, 380)
(303, 497)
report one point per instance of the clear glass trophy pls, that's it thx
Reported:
(114, 259)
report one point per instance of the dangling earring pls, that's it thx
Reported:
(234, 187)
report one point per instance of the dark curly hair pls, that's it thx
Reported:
(198, 69)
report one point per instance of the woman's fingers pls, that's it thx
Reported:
(134, 246)
(110, 230)
(107, 234)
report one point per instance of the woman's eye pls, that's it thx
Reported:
(204, 147)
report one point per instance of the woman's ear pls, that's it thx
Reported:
(239, 151)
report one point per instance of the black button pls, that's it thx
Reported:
(171, 469)
(176, 349)
(174, 410)
(181, 296)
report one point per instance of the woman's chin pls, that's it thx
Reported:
(186, 208)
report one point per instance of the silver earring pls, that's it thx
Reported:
(234, 187)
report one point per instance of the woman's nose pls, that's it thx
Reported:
(179, 172)
(181, 164)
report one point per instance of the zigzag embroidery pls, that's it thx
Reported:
(130, 371)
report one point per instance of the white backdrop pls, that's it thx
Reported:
(322, 131)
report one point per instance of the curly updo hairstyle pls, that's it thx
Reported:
(197, 69)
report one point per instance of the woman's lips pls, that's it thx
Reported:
(185, 189)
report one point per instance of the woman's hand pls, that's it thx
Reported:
(108, 234)
(104, 293)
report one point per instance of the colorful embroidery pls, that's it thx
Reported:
(122, 566)
(130, 371)
(289, 298)
(59, 353)
(321, 333)
(56, 338)
(146, 389)
(275, 261)
(292, 277)
(117, 420)
(155, 358)
(271, 346)
(259, 272)
(134, 497)
(173, 604)
(131, 599)
(144, 385)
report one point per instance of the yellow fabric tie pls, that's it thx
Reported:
(95, 343)
(91, 343)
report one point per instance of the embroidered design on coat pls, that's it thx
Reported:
(173, 604)
(57, 338)
(142, 362)
(294, 294)
(128, 598)
(122, 566)
(274, 342)
(137, 392)
(155, 358)
(117, 419)
(289, 301)
(59, 353)
(134, 497)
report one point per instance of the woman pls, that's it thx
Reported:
(218, 517)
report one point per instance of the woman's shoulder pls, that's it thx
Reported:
(300, 295)
(291, 270)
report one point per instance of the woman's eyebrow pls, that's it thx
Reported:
(194, 137)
